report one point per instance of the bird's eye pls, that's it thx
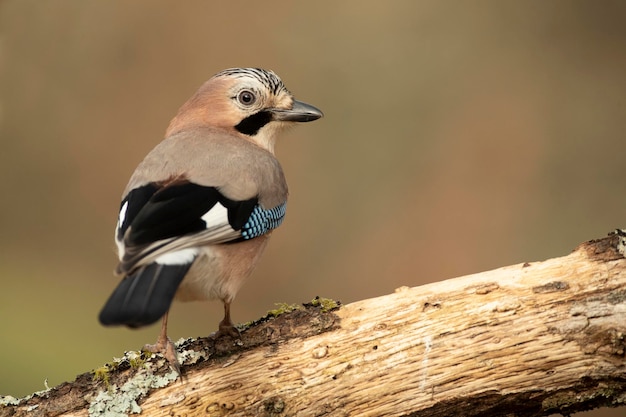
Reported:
(246, 97)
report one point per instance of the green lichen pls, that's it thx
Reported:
(120, 401)
(138, 359)
(137, 363)
(102, 374)
(9, 400)
(6, 400)
(283, 308)
(325, 304)
(243, 326)
(134, 359)
(190, 356)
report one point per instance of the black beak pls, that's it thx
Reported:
(299, 112)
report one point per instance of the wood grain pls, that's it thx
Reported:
(528, 339)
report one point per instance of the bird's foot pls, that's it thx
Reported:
(226, 326)
(166, 348)
(227, 330)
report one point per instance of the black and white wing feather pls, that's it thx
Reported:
(159, 232)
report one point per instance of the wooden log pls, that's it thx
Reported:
(531, 339)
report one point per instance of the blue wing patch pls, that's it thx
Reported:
(263, 220)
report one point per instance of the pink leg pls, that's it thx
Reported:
(226, 326)
(165, 347)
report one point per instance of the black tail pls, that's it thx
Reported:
(143, 297)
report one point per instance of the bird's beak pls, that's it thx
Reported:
(299, 112)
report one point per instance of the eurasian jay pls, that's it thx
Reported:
(199, 210)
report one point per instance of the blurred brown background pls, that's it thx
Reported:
(458, 137)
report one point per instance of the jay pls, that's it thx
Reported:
(199, 210)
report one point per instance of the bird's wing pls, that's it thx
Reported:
(167, 222)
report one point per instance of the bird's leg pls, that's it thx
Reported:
(165, 347)
(226, 326)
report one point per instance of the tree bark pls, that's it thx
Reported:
(531, 339)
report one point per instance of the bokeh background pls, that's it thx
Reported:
(458, 137)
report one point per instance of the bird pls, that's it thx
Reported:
(198, 211)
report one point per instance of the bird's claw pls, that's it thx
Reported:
(227, 330)
(168, 350)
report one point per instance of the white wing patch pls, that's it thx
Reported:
(217, 224)
(217, 216)
(120, 222)
(181, 257)
(122, 216)
(218, 230)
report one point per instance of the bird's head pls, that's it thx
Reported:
(251, 101)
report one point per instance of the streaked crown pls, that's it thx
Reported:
(268, 78)
(252, 102)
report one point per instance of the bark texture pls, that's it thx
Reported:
(525, 340)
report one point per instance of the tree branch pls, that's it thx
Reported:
(525, 340)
